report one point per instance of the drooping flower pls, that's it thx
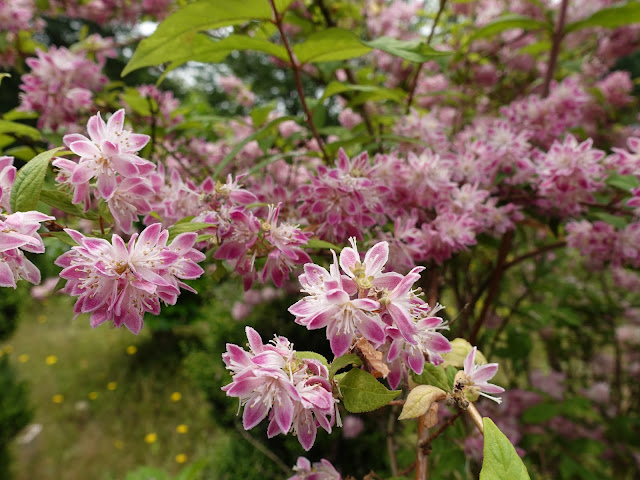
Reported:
(110, 150)
(330, 305)
(271, 380)
(472, 381)
(120, 283)
(322, 470)
(18, 234)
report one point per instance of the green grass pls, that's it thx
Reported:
(97, 400)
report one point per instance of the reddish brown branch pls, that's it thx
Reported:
(295, 66)
(494, 284)
(558, 34)
(414, 81)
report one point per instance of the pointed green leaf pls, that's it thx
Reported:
(623, 182)
(179, 228)
(501, 462)
(3, 76)
(177, 36)
(509, 22)
(62, 201)
(412, 50)
(432, 375)
(361, 392)
(20, 129)
(254, 136)
(344, 361)
(330, 45)
(313, 356)
(322, 245)
(419, 400)
(335, 88)
(64, 237)
(207, 50)
(29, 180)
(611, 17)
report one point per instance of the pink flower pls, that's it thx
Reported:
(7, 177)
(110, 150)
(330, 305)
(272, 380)
(474, 378)
(18, 233)
(120, 283)
(322, 470)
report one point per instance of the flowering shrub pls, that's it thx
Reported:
(485, 154)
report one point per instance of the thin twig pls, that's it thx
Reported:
(391, 447)
(494, 284)
(558, 34)
(446, 425)
(422, 451)
(534, 253)
(414, 81)
(264, 450)
(295, 66)
(362, 109)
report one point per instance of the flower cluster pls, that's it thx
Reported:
(272, 379)
(362, 301)
(322, 470)
(109, 156)
(120, 283)
(18, 233)
(60, 87)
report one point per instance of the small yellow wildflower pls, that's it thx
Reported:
(23, 358)
(182, 428)
(112, 386)
(176, 396)
(42, 318)
(119, 444)
(51, 360)
(150, 438)
(8, 349)
(132, 349)
(93, 395)
(181, 458)
(57, 398)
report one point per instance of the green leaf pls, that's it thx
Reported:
(611, 17)
(330, 45)
(255, 135)
(335, 88)
(29, 180)
(432, 375)
(412, 50)
(19, 129)
(508, 22)
(179, 228)
(451, 375)
(344, 361)
(361, 392)
(64, 237)
(4, 75)
(322, 245)
(419, 400)
(618, 222)
(62, 201)
(501, 462)
(623, 182)
(313, 356)
(208, 50)
(177, 37)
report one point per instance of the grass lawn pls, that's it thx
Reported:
(108, 401)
